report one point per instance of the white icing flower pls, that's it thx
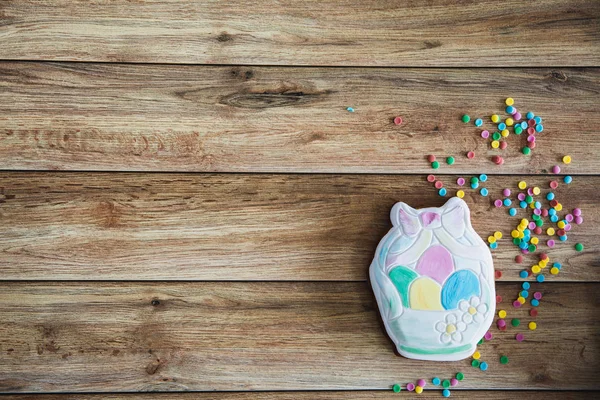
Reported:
(473, 310)
(451, 329)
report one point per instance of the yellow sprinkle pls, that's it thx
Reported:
(502, 314)
(477, 355)
(550, 231)
(509, 101)
(543, 263)
(509, 122)
(495, 118)
(534, 240)
(532, 205)
(505, 133)
(525, 221)
(498, 235)
(521, 300)
(561, 224)
(514, 233)
(495, 144)
(567, 159)
(554, 271)
(460, 194)
(558, 207)
(521, 235)
(532, 326)
(536, 269)
(418, 389)
(536, 190)
(491, 239)
(522, 185)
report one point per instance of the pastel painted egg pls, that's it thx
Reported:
(402, 277)
(436, 263)
(425, 294)
(461, 285)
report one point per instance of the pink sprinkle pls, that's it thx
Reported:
(531, 138)
(579, 220)
(524, 251)
(544, 212)
(537, 211)
(530, 191)
(485, 134)
(460, 181)
(506, 192)
(553, 184)
(410, 387)
(514, 111)
(488, 335)
(516, 304)
(398, 120)
(537, 295)
(430, 178)
(501, 323)
(550, 243)
(517, 116)
(421, 382)
(556, 169)
(521, 196)
(519, 337)
(567, 227)
(577, 212)
(471, 154)
(532, 225)
(498, 203)
(453, 382)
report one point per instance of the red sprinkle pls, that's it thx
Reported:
(543, 256)
(531, 145)
(471, 154)
(498, 299)
(498, 274)
(531, 122)
(530, 131)
(430, 178)
(553, 203)
(439, 184)
(537, 230)
(398, 121)
(503, 145)
(533, 312)
(544, 213)
(431, 158)
(519, 259)
(553, 184)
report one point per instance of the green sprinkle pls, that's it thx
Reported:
(539, 222)
(450, 160)
(503, 360)
(446, 383)
(528, 199)
(481, 341)
(526, 151)
(466, 118)
(496, 135)
(474, 179)
(515, 322)
(532, 248)
(518, 130)
(579, 247)
(435, 165)
(396, 388)
(475, 363)
(460, 376)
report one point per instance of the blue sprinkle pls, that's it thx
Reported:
(493, 245)
(483, 177)
(507, 202)
(478, 122)
(523, 274)
(483, 192)
(524, 125)
(550, 196)
(510, 110)
(526, 285)
(523, 245)
(539, 127)
(523, 204)
(512, 212)
(442, 192)
(350, 109)
(538, 120)
(568, 179)
(557, 265)
(552, 212)
(436, 381)
(446, 393)
(502, 126)
(563, 238)
(540, 278)
(474, 185)
(524, 293)
(535, 302)
(483, 366)
(527, 232)
(554, 218)
(537, 205)
(530, 115)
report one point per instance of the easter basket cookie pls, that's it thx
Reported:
(433, 279)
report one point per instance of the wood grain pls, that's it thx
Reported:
(73, 226)
(264, 336)
(256, 119)
(323, 32)
(429, 393)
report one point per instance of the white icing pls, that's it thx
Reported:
(449, 334)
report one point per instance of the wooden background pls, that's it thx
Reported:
(186, 204)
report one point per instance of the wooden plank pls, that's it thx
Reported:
(73, 226)
(324, 32)
(313, 395)
(265, 336)
(258, 119)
